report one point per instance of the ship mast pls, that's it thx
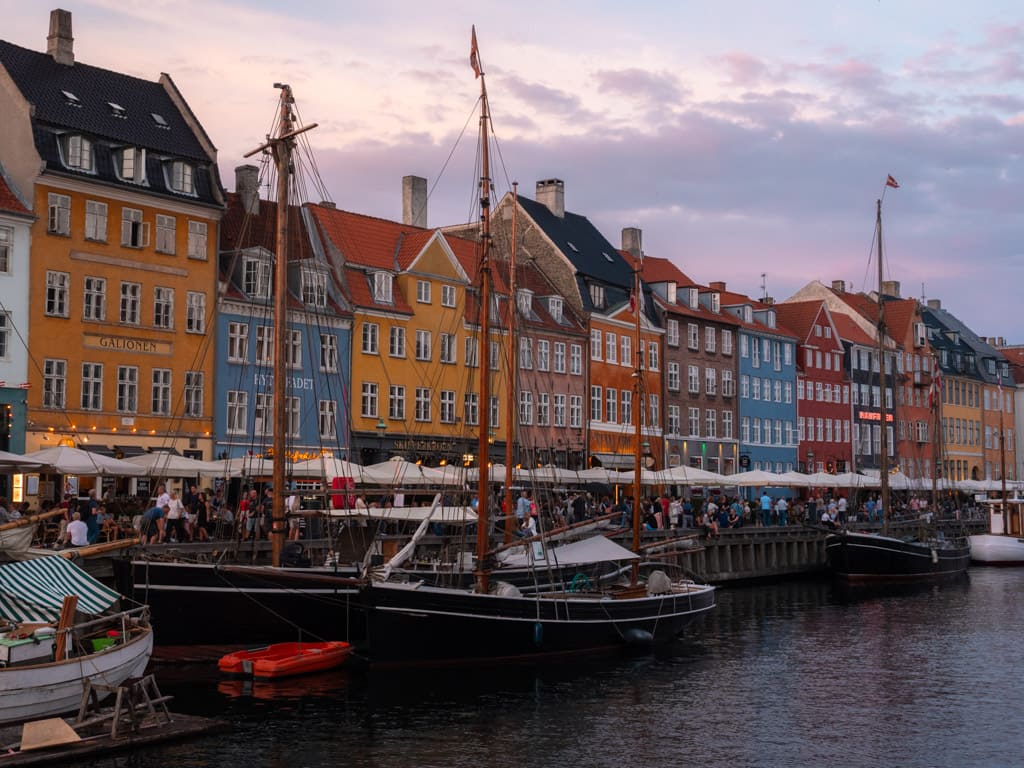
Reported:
(513, 367)
(638, 410)
(281, 146)
(483, 495)
(883, 460)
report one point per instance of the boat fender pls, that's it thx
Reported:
(538, 634)
(638, 638)
(658, 583)
(935, 555)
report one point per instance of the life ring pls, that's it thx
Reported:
(580, 582)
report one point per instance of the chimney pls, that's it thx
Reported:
(414, 201)
(551, 192)
(891, 288)
(839, 286)
(768, 301)
(247, 185)
(1000, 341)
(60, 44)
(632, 241)
(717, 285)
(934, 304)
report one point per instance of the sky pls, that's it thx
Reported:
(749, 141)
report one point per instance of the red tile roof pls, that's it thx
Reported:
(9, 201)
(658, 270)
(799, 316)
(369, 242)
(849, 331)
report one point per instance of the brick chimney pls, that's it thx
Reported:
(247, 186)
(414, 201)
(717, 285)
(934, 304)
(632, 241)
(768, 301)
(60, 44)
(891, 288)
(839, 286)
(551, 193)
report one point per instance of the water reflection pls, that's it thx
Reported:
(797, 673)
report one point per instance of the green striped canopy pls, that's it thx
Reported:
(33, 590)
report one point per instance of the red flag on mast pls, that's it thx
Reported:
(889, 182)
(474, 56)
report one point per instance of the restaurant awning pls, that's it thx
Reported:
(614, 460)
(34, 590)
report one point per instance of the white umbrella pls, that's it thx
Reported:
(822, 480)
(397, 472)
(495, 474)
(169, 464)
(854, 480)
(246, 466)
(796, 479)
(755, 478)
(327, 466)
(647, 477)
(597, 475)
(682, 475)
(16, 462)
(74, 461)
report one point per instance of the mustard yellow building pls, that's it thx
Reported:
(124, 186)
(415, 366)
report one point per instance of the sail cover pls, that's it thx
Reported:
(596, 549)
(33, 590)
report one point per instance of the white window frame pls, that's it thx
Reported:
(195, 312)
(166, 234)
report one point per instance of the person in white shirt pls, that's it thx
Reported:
(175, 523)
(77, 534)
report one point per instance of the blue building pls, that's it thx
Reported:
(319, 335)
(767, 376)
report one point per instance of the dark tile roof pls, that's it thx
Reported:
(41, 81)
(583, 245)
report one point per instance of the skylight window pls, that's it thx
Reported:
(573, 246)
(608, 258)
(117, 110)
(160, 122)
(73, 100)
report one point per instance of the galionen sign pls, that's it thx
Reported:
(126, 344)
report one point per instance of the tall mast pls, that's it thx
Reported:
(483, 496)
(937, 436)
(513, 369)
(281, 146)
(638, 410)
(883, 463)
(1002, 456)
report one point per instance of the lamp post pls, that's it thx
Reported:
(382, 427)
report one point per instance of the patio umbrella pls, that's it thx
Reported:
(755, 478)
(74, 461)
(246, 466)
(397, 472)
(168, 464)
(683, 475)
(327, 466)
(15, 462)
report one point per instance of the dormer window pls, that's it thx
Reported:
(117, 110)
(77, 151)
(716, 302)
(314, 288)
(597, 295)
(524, 302)
(382, 284)
(71, 100)
(1004, 370)
(748, 314)
(991, 366)
(256, 278)
(693, 298)
(670, 293)
(132, 164)
(770, 318)
(182, 177)
(555, 308)
(160, 122)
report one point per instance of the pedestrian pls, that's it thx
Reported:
(766, 508)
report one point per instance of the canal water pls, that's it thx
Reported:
(793, 674)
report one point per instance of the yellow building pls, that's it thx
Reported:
(415, 340)
(124, 185)
(963, 455)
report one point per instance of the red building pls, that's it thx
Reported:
(822, 391)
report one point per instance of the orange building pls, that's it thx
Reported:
(124, 183)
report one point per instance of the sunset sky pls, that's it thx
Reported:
(742, 137)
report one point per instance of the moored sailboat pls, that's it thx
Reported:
(858, 556)
(411, 621)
